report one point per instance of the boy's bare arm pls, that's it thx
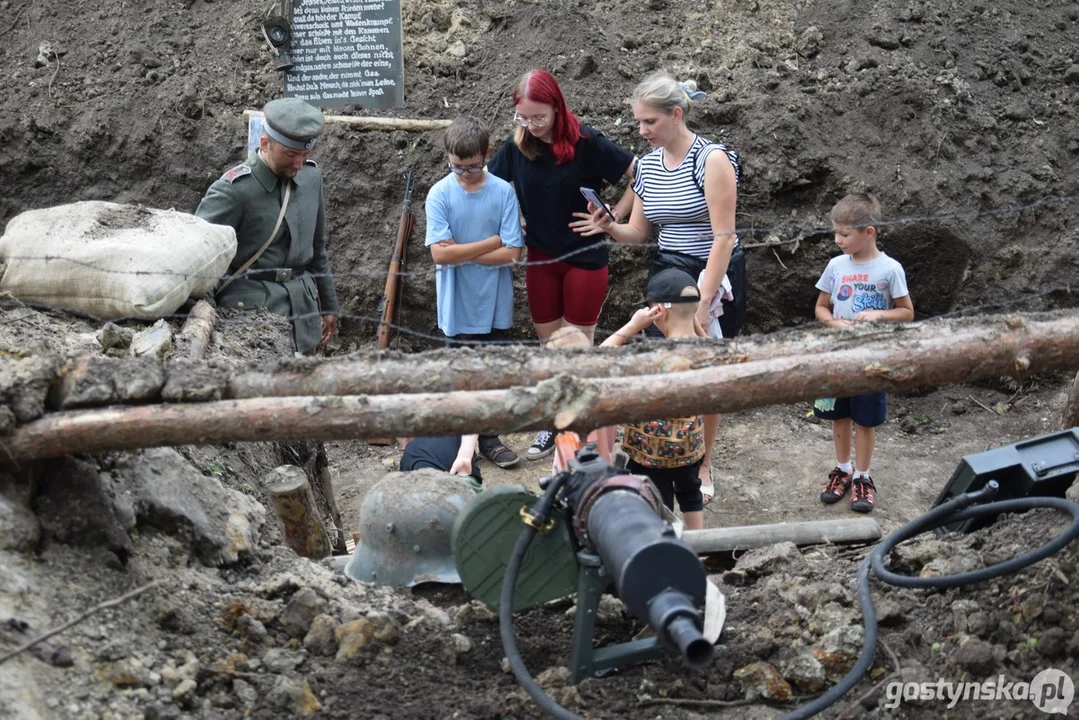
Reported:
(462, 464)
(450, 252)
(502, 256)
(903, 311)
(824, 312)
(636, 325)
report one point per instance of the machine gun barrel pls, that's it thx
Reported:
(657, 576)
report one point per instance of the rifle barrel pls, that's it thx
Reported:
(388, 303)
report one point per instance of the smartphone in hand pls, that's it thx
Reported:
(593, 197)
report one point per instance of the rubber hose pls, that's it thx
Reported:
(505, 608)
(953, 511)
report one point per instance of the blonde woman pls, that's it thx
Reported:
(688, 187)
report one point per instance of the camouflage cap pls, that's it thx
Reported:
(293, 123)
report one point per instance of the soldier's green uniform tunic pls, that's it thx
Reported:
(248, 198)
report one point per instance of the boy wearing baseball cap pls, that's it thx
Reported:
(668, 451)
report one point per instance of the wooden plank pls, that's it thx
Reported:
(359, 122)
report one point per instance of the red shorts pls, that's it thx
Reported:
(559, 290)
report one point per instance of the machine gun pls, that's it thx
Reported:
(598, 528)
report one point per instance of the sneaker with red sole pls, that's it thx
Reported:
(838, 485)
(861, 497)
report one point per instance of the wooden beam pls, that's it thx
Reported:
(388, 372)
(716, 540)
(938, 355)
(384, 373)
(504, 367)
(379, 123)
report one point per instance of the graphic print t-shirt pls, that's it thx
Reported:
(855, 287)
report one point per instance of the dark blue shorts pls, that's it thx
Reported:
(866, 410)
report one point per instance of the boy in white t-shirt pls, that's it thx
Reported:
(861, 285)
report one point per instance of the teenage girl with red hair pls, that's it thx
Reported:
(548, 159)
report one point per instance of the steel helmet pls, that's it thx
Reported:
(405, 525)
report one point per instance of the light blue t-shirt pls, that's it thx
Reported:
(855, 287)
(473, 298)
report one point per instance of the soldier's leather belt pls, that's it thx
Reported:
(276, 275)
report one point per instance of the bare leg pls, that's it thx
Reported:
(546, 330)
(544, 443)
(588, 330)
(711, 426)
(864, 440)
(841, 430)
(693, 520)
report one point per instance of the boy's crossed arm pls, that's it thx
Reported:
(499, 249)
(450, 252)
(489, 251)
(502, 256)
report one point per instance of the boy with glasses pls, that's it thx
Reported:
(474, 235)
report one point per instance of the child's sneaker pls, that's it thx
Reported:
(837, 487)
(493, 449)
(861, 498)
(542, 447)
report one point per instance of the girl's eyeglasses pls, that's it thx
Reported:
(536, 122)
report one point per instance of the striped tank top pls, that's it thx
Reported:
(674, 199)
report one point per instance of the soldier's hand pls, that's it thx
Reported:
(329, 328)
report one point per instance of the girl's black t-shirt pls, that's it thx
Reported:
(549, 193)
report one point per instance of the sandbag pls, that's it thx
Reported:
(112, 261)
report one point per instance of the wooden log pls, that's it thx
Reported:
(1070, 417)
(715, 540)
(386, 373)
(939, 355)
(497, 368)
(390, 372)
(380, 123)
(290, 492)
(198, 329)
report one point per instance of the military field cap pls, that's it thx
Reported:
(293, 123)
(667, 286)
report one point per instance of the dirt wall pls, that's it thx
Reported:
(955, 109)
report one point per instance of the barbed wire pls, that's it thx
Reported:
(244, 318)
(798, 232)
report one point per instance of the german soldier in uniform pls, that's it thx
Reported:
(275, 203)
